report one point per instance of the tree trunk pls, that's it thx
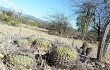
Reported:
(102, 43)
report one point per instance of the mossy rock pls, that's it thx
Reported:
(22, 42)
(41, 44)
(31, 38)
(62, 57)
(25, 61)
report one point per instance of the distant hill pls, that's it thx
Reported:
(24, 15)
(32, 17)
(3, 8)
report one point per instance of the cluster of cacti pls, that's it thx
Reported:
(62, 56)
(59, 56)
(37, 45)
(17, 59)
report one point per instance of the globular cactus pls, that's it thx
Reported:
(40, 44)
(31, 38)
(21, 42)
(62, 57)
(17, 59)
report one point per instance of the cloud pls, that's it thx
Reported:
(9, 3)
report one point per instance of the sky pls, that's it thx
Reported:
(41, 8)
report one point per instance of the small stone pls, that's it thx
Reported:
(1, 56)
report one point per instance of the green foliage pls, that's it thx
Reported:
(81, 27)
(62, 57)
(80, 22)
(60, 29)
(59, 25)
(13, 23)
(85, 17)
(8, 18)
(9, 13)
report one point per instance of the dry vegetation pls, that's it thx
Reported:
(7, 33)
(28, 30)
(27, 44)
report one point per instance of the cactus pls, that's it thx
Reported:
(31, 38)
(16, 60)
(41, 44)
(62, 56)
(21, 42)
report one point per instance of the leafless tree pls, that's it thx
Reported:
(97, 17)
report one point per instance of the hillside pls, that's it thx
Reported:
(10, 33)
(42, 33)
(24, 41)
(23, 14)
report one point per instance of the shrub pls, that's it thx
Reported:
(13, 23)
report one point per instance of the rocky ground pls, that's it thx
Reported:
(30, 48)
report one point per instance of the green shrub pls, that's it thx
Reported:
(6, 18)
(13, 23)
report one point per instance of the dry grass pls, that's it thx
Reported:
(28, 30)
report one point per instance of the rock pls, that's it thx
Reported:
(2, 66)
(1, 56)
